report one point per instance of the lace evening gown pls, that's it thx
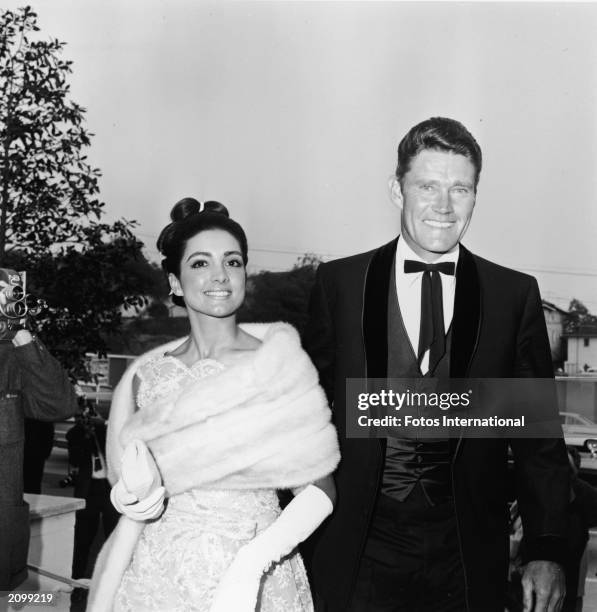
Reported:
(181, 557)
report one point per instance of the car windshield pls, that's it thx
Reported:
(579, 419)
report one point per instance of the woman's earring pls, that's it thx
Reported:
(171, 291)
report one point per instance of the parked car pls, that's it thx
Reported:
(579, 431)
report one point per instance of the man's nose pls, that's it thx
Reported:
(443, 204)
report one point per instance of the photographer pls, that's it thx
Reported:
(87, 452)
(33, 385)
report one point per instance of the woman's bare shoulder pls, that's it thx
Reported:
(247, 342)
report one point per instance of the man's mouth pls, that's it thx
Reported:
(438, 224)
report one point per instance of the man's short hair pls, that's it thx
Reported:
(440, 134)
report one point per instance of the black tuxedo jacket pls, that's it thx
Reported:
(498, 331)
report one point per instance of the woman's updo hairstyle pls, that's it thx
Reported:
(189, 218)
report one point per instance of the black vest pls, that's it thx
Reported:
(410, 461)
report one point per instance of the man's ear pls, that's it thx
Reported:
(396, 192)
(175, 288)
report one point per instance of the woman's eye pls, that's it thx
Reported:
(199, 263)
(235, 263)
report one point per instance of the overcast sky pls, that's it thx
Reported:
(290, 114)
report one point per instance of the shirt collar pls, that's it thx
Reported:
(403, 252)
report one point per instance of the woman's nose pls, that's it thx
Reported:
(220, 274)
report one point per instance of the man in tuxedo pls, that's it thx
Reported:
(421, 525)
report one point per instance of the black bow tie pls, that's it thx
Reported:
(432, 335)
(445, 267)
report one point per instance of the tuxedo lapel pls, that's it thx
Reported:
(375, 310)
(466, 321)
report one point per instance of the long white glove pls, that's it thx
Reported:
(239, 586)
(138, 493)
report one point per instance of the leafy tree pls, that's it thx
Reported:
(140, 335)
(86, 292)
(281, 296)
(158, 310)
(50, 214)
(579, 318)
(48, 190)
(311, 260)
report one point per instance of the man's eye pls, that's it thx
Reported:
(428, 187)
(461, 190)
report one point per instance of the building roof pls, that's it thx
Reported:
(552, 307)
(583, 331)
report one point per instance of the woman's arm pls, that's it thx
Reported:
(326, 484)
(138, 492)
(239, 587)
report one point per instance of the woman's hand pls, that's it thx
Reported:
(138, 470)
(239, 586)
(138, 494)
(145, 509)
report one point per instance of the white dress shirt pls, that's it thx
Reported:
(408, 288)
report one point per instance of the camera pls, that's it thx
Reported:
(15, 303)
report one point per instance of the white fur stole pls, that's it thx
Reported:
(263, 422)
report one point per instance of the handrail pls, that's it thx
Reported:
(73, 583)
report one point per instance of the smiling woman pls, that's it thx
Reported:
(210, 274)
(221, 419)
(189, 219)
(205, 258)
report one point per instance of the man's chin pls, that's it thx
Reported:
(436, 249)
(443, 249)
(432, 246)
